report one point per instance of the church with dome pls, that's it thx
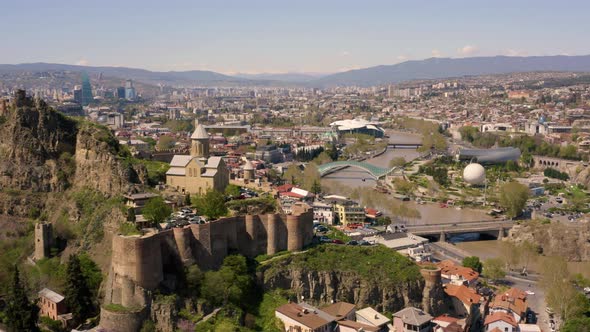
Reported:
(197, 172)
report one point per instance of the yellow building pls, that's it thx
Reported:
(349, 213)
(197, 172)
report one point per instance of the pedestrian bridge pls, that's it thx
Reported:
(375, 171)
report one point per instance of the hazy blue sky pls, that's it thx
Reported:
(284, 35)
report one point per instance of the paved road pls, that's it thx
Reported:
(536, 302)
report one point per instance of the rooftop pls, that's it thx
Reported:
(304, 316)
(413, 316)
(200, 132)
(373, 316)
(463, 293)
(339, 309)
(51, 295)
(500, 316)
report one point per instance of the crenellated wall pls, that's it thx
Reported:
(140, 263)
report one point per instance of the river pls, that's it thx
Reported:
(429, 213)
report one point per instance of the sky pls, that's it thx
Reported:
(250, 36)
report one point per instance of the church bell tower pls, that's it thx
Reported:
(200, 142)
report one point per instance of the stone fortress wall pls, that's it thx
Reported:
(140, 263)
(563, 165)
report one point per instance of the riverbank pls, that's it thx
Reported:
(430, 213)
(493, 249)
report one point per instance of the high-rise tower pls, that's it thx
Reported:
(86, 90)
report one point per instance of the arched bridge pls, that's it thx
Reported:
(375, 171)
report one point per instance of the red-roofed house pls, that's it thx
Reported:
(284, 188)
(457, 274)
(304, 318)
(513, 302)
(372, 213)
(502, 321)
(465, 300)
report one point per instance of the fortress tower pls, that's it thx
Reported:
(200, 142)
(43, 240)
(433, 295)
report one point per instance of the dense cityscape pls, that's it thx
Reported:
(448, 194)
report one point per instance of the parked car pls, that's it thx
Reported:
(352, 243)
(336, 241)
(181, 223)
(325, 239)
(321, 229)
(529, 292)
(364, 243)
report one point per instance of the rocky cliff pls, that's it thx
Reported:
(379, 286)
(43, 151)
(571, 241)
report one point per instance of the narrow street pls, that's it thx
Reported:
(536, 300)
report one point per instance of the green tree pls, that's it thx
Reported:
(78, 293)
(311, 175)
(187, 199)
(165, 143)
(293, 174)
(510, 254)
(232, 190)
(148, 326)
(560, 293)
(333, 151)
(131, 214)
(91, 272)
(21, 313)
(493, 268)
(578, 324)
(513, 197)
(230, 284)
(404, 187)
(528, 253)
(468, 133)
(316, 187)
(194, 279)
(211, 204)
(568, 152)
(473, 262)
(397, 162)
(156, 210)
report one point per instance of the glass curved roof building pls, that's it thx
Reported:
(489, 156)
(358, 126)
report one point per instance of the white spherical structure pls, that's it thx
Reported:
(474, 174)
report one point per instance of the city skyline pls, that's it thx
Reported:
(264, 37)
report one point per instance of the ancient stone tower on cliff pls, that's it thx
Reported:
(433, 295)
(43, 240)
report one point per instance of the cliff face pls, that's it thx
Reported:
(32, 139)
(99, 165)
(323, 287)
(42, 151)
(570, 241)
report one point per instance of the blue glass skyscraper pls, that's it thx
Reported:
(86, 90)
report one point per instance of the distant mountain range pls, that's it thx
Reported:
(285, 77)
(192, 77)
(433, 68)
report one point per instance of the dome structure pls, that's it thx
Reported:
(474, 174)
(200, 133)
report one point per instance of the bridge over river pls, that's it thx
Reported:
(375, 171)
(496, 228)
